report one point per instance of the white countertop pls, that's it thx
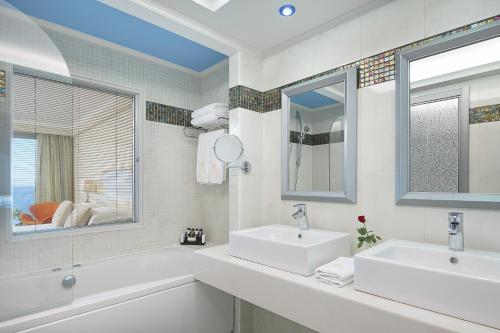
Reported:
(316, 305)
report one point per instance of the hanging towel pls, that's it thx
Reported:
(217, 172)
(209, 169)
(339, 272)
(203, 158)
(219, 109)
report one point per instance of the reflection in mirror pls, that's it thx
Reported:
(316, 146)
(454, 120)
(228, 148)
(319, 138)
(72, 156)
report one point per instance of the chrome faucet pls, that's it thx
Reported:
(456, 231)
(301, 216)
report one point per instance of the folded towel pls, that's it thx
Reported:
(219, 109)
(203, 158)
(207, 120)
(339, 272)
(337, 283)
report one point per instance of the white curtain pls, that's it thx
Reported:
(54, 176)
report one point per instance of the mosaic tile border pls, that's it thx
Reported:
(484, 114)
(318, 139)
(2, 84)
(372, 70)
(168, 114)
(244, 97)
(294, 138)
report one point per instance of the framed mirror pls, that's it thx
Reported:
(319, 139)
(448, 121)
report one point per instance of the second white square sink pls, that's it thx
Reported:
(288, 248)
(462, 284)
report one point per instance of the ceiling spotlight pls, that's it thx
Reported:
(287, 10)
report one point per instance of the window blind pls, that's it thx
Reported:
(98, 124)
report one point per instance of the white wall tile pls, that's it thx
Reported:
(438, 17)
(395, 24)
(245, 69)
(215, 87)
(376, 128)
(337, 46)
(271, 132)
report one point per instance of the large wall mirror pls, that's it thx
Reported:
(319, 139)
(448, 99)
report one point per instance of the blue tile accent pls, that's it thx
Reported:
(312, 100)
(99, 20)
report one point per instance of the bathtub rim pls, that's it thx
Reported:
(82, 305)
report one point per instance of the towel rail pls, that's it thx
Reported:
(222, 122)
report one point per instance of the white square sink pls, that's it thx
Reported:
(288, 248)
(462, 284)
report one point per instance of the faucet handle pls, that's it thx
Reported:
(455, 222)
(454, 217)
(300, 205)
(453, 228)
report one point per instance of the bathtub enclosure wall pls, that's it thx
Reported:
(158, 295)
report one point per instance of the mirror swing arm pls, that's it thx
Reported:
(403, 58)
(245, 167)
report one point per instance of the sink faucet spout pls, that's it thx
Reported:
(456, 231)
(301, 216)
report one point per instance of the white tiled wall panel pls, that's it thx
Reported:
(172, 198)
(396, 23)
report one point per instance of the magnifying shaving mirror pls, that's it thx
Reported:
(228, 148)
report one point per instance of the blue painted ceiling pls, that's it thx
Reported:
(99, 20)
(312, 100)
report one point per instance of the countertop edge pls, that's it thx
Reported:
(316, 305)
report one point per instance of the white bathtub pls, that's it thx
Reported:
(149, 292)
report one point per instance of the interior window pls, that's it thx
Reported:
(72, 156)
(23, 175)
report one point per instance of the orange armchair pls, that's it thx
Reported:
(41, 213)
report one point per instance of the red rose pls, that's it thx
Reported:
(362, 219)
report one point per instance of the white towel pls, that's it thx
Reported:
(209, 169)
(203, 158)
(336, 283)
(217, 172)
(339, 272)
(220, 109)
(207, 120)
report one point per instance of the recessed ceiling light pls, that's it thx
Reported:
(287, 10)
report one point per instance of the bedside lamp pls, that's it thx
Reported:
(89, 186)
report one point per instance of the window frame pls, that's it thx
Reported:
(139, 116)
